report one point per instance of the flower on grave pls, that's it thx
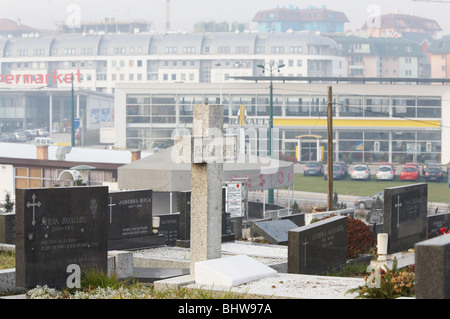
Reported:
(444, 231)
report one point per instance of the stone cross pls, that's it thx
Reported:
(207, 149)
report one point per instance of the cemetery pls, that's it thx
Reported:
(206, 234)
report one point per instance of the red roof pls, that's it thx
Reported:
(401, 21)
(314, 14)
(7, 25)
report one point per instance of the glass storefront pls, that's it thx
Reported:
(152, 119)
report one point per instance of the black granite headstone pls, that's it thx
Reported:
(274, 231)
(405, 216)
(184, 206)
(318, 247)
(432, 268)
(56, 228)
(130, 220)
(436, 223)
(169, 225)
(7, 228)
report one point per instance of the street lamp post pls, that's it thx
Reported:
(271, 67)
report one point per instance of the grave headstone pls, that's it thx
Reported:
(169, 225)
(318, 247)
(57, 228)
(274, 231)
(405, 216)
(436, 223)
(7, 228)
(130, 220)
(184, 206)
(432, 268)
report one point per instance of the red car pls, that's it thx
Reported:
(409, 173)
(415, 165)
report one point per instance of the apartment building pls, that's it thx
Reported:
(100, 62)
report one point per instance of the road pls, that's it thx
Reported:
(306, 200)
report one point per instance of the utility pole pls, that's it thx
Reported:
(330, 148)
(72, 133)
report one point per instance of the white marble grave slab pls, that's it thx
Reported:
(231, 271)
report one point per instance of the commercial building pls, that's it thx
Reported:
(99, 62)
(51, 108)
(373, 122)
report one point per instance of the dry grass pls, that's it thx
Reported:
(7, 260)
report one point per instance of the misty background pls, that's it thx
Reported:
(184, 14)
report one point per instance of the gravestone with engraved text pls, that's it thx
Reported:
(56, 228)
(405, 216)
(130, 220)
(318, 247)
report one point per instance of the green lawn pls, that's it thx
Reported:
(437, 192)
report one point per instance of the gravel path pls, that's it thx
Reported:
(281, 286)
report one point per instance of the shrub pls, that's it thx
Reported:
(360, 238)
(392, 284)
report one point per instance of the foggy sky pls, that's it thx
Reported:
(184, 13)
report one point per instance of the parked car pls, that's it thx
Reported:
(338, 172)
(361, 172)
(385, 173)
(344, 167)
(390, 164)
(313, 168)
(415, 165)
(428, 163)
(44, 141)
(43, 132)
(367, 201)
(33, 133)
(409, 173)
(4, 138)
(20, 137)
(434, 173)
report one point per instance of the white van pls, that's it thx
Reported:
(44, 141)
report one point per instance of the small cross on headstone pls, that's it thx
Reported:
(398, 205)
(110, 205)
(34, 205)
(304, 244)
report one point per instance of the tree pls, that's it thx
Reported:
(8, 205)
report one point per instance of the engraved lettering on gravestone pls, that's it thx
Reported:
(205, 149)
(110, 205)
(34, 205)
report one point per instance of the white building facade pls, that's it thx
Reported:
(99, 62)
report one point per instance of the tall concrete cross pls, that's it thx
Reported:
(207, 149)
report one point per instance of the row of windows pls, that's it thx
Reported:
(167, 50)
(382, 107)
